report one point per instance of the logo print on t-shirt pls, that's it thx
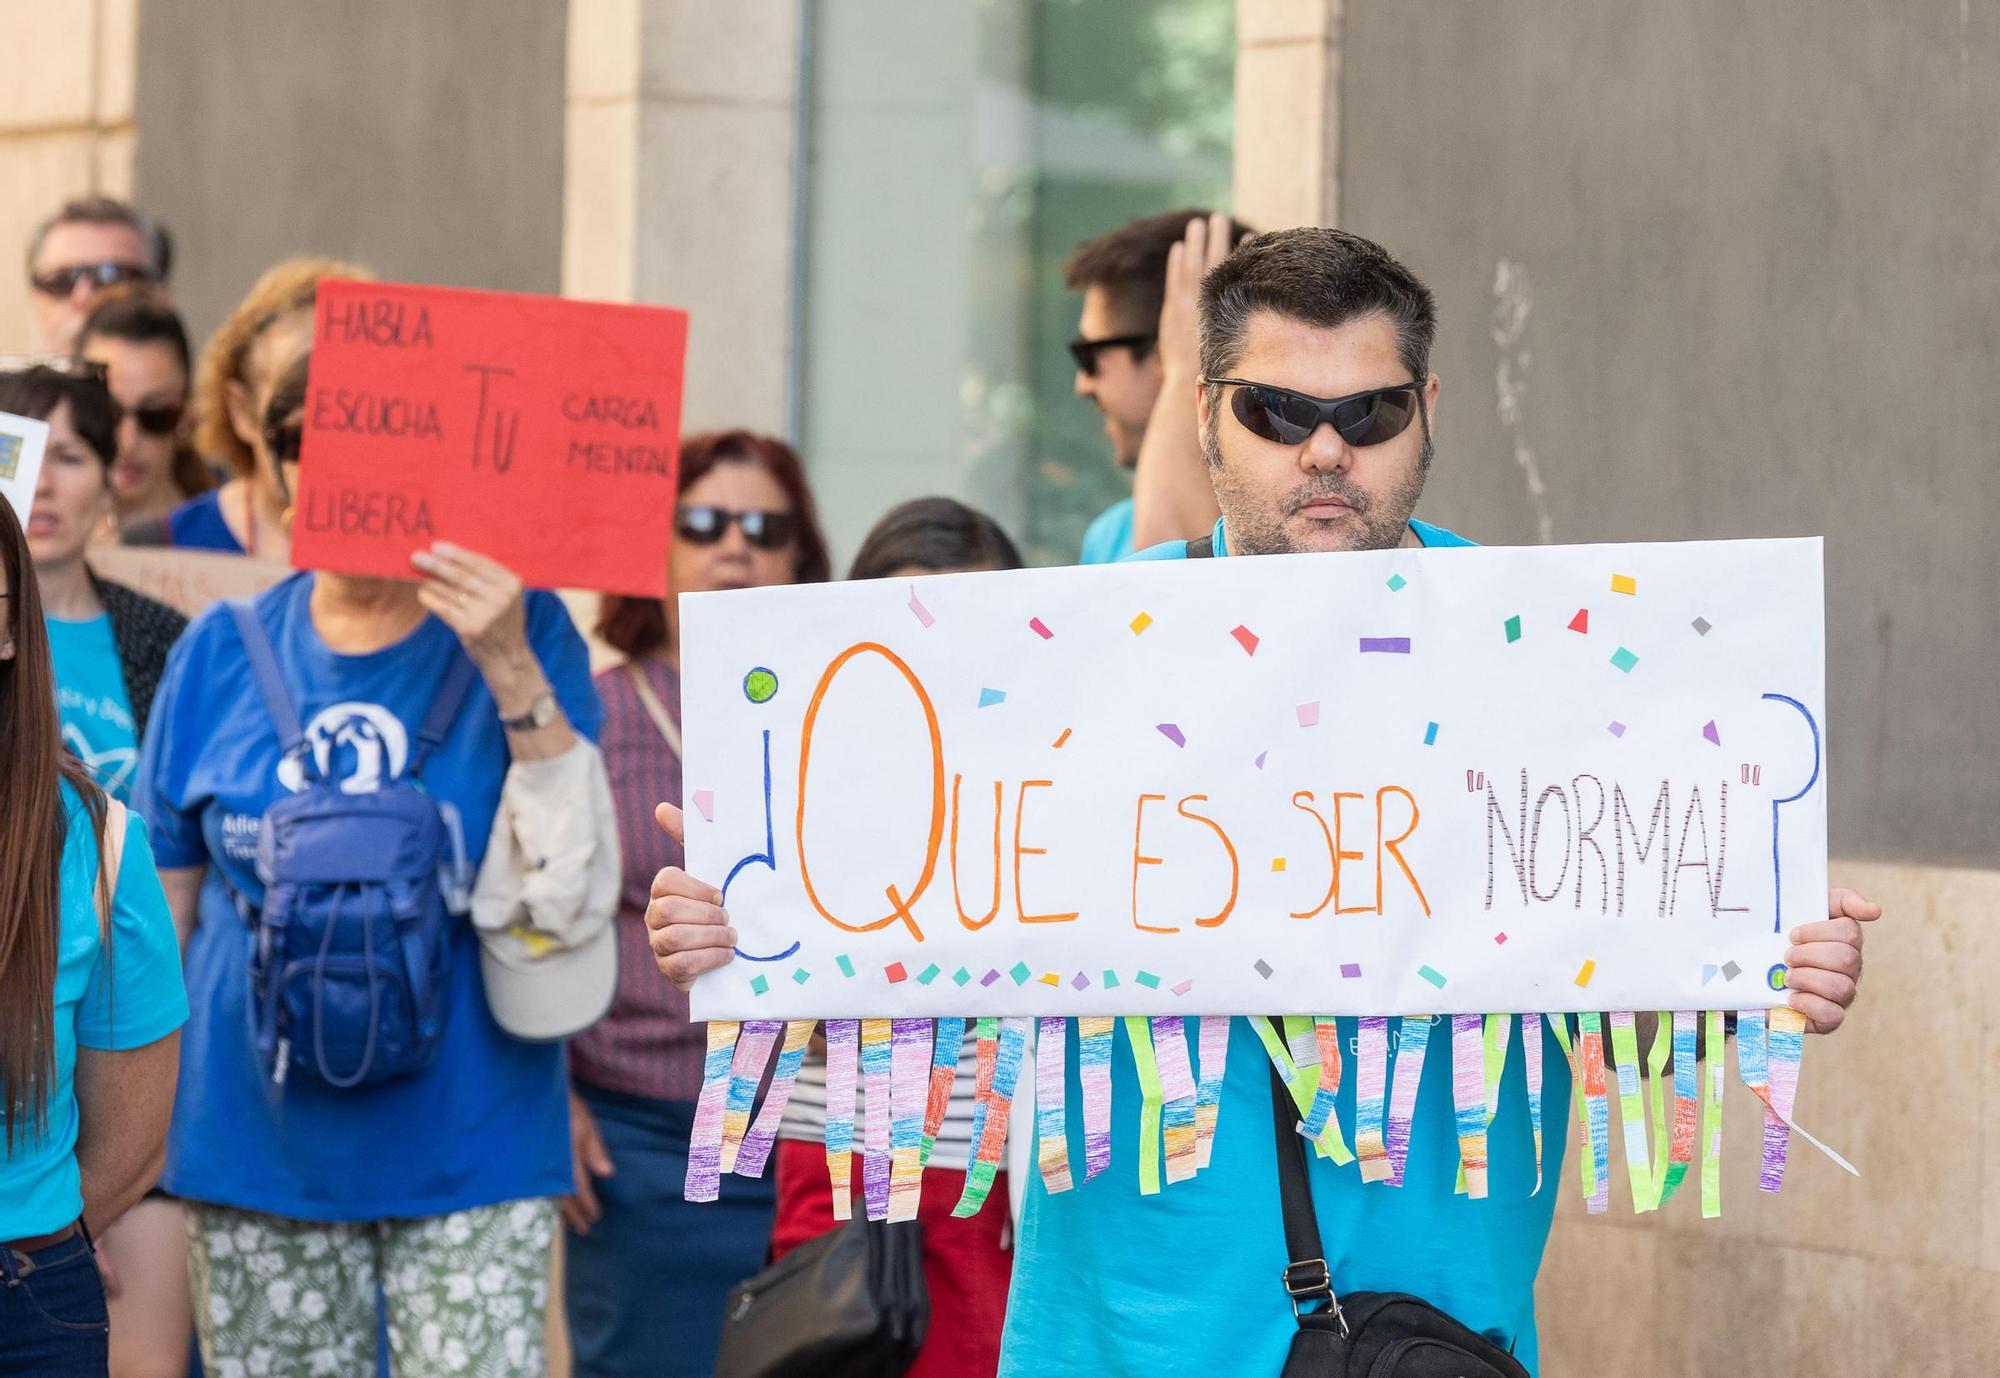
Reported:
(362, 745)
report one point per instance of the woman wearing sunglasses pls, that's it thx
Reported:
(143, 347)
(646, 1274)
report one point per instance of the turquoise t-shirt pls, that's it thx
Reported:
(109, 997)
(1187, 1281)
(1108, 538)
(90, 694)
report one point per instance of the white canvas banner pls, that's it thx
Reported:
(1393, 782)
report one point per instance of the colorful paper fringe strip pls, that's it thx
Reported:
(1670, 1116)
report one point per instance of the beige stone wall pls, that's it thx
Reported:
(1897, 1272)
(1287, 144)
(65, 124)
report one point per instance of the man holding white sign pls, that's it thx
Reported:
(1316, 412)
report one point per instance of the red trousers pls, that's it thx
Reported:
(966, 1264)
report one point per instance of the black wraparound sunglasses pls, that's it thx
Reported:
(60, 282)
(1085, 352)
(1287, 417)
(705, 525)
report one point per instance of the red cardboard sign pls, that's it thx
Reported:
(541, 432)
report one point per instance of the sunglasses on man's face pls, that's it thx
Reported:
(1289, 418)
(61, 282)
(1086, 352)
(705, 525)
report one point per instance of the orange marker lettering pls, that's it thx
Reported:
(1020, 810)
(1394, 847)
(1235, 870)
(1339, 856)
(956, 898)
(1140, 859)
(1326, 832)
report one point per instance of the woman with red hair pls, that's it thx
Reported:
(645, 1275)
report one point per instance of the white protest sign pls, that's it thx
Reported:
(22, 440)
(185, 580)
(1394, 782)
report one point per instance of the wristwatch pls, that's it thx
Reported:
(540, 713)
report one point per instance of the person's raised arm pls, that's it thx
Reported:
(1172, 498)
(124, 1101)
(685, 923)
(482, 601)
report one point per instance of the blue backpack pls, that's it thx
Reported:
(350, 948)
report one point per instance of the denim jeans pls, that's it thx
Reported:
(52, 1318)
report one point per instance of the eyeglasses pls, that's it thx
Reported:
(1289, 418)
(1085, 352)
(61, 282)
(705, 525)
(163, 419)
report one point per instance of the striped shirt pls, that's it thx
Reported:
(805, 1112)
(645, 1045)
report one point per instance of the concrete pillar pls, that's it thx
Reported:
(1287, 146)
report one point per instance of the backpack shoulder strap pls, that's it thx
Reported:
(1201, 548)
(270, 683)
(450, 697)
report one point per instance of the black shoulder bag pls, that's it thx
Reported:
(1364, 1334)
(850, 1303)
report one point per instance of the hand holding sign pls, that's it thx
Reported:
(542, 431)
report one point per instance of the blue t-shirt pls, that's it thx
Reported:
(109, 997)
(198, 525)
(90, 695)
(488, 1120)
(1186, 1281)
(1108, 538)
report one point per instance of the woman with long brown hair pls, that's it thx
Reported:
(647, 1274)
(91, 1004)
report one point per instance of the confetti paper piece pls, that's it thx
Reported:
(1468, 1094)
(909, 1100)
(1351, 970)
(1177, 1088)
(1708, 970)
(1247, 639)
(1413, 1037)
(1040, 628)
(877, 1066)
(758, 985)
(1624, 583)
(704, 804)
(1141, 622)
(1711, 1119)
(923, 613)
(746, 1070)
(1531, 1063)
(1385, 645)
(1370, 1098)
(1049, 978)
(989, 697)
(1432, 974)
(1581, 622)
(845, 963)
(1263, 968)
(960, 977)
(1308, 714)
(1499, 938)
(1051, 1132)
(1431, 734)
(1702, 626)
(1624, 659)
(801, 975)
(1616, 729)
(1060, 740)
(946, 1044)
(1730, 971)
(757, 1144)
(1277, 863)
(1585, 972)
(1213, 1046)
(928, 974)
(1172, 733)
(990, 977)
(1513, 628)
(1093, 1061)
(1139, 1033)
(843, 1041)
(703, 1181)
(1020, 971)
(1148, 980)
(1709, 731)
(894, 971)
(1397, 583)
(1260, 759)
(1183, 987)
(997, 1100)
(1079, 982)
(1110, 979)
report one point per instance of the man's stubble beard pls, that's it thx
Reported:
(1254, 530)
